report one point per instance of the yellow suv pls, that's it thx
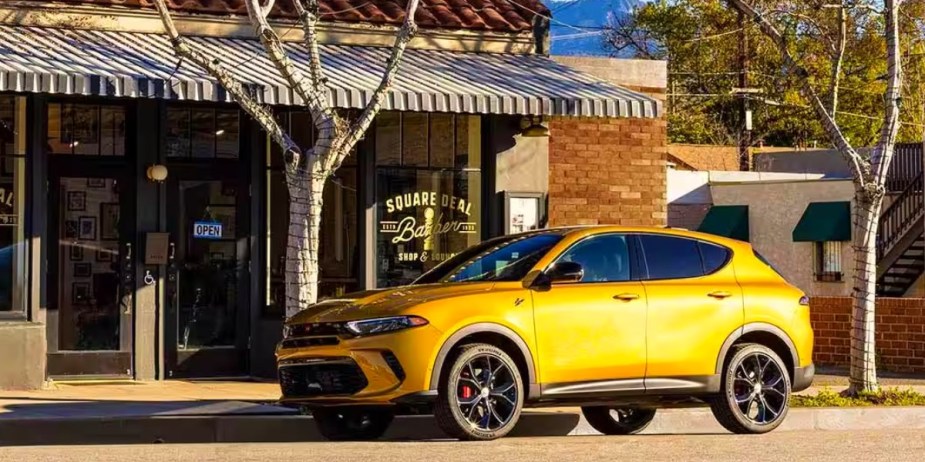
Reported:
(621, 321)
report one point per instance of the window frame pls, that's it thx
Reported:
(631, 250)
(23, 312)
(703, 261)
(644, 263)
(819, 260)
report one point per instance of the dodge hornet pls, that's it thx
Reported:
(618, 321)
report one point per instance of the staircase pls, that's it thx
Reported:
(901, 241)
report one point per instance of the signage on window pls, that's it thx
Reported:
(207, 230)
(423, 216)
(7, 215)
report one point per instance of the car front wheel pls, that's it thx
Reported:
(618, 421)
(346, 424)
(755, 394)
(481, 396)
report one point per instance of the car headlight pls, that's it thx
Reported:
(382, 325)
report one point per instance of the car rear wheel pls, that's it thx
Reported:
(618, 420)
(346, 424)
(755, 391)
(481, 396)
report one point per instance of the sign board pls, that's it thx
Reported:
(156, 245)
(207, 230)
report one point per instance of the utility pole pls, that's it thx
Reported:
(745, 130)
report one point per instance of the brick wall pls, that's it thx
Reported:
(607, 171)
(900, 332)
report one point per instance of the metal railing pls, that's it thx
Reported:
(908, 207)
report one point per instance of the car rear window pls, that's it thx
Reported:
(669, 257)
(714, 257)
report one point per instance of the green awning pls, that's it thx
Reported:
(824, 222)
(727, 221)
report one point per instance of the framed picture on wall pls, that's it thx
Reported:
(523, 212)
(109, 221)
(96, 183)
(104, 255)
(80, 293)
(76, 253)
(76, 201)
(82, 270)
(71, 229)
(87, 230)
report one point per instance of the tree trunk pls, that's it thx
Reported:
(306, 196)
(863, 375)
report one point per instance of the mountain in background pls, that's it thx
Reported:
(576, 25)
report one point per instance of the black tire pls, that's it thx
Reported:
(755, 393)
(347, 424)
(618, 421)
(496, 410)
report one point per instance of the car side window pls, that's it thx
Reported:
(603, 258)
(714, 257)
(670, 257)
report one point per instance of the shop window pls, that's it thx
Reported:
(827, 261)
(428, 191)
(86, 129)
(203, 133)
(13, 243)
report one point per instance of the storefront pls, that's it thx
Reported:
(143, 217)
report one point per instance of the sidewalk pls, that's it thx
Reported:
(222, 411)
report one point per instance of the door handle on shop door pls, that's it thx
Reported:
(626, 297)
(720, 294)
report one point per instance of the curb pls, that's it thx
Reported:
(276, 428)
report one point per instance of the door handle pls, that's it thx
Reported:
(720, 294)
(626, 297)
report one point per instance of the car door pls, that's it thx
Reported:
(593, 329)
(694, 303)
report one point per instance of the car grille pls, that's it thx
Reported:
(323, 378)
(318, 329)
(310, 342)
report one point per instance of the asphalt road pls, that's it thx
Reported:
(779, 446)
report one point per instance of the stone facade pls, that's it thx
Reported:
(607, 171)
(900, 333)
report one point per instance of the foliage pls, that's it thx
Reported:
(888, 397)
(700, 40)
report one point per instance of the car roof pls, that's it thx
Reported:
(588, 230)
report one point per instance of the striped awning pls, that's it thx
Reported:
(138, 65)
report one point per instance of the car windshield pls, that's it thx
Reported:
(504, 259)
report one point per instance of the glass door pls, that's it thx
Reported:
(90, 323)
(208, 278)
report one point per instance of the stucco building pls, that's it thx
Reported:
(110, 270)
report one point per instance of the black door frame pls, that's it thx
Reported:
(90, 363)
(207, 362)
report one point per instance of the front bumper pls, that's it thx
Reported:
(803, 377)
(375, 370)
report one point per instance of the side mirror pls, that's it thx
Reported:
(565, 271)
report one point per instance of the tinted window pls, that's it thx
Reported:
(603, 258)
(669, 257)
(714, 257)
(500, 260)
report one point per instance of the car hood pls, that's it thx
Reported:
(383, 302)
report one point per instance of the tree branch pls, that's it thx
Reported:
(308, 16)
(838, 59)
(258, 112)
(882, 155)
(860, 168)
(362, 123)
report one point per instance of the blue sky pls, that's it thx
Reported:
(576, 23)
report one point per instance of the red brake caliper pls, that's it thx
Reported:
(467, 392)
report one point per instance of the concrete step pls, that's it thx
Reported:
(295, 428)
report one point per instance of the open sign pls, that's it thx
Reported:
(207, 230)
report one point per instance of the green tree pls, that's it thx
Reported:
(700, 41)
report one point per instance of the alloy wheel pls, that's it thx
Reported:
(760, 389)
(486, 393)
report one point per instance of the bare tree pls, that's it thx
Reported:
(869, 179)
(307, 168)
